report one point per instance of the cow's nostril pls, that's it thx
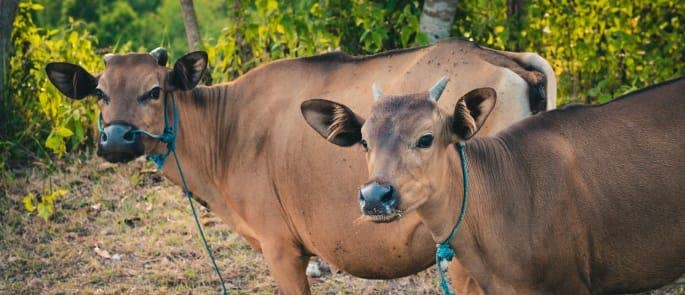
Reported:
(128, 136)
(103, 137)
(388, 196)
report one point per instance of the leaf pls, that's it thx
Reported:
(63, 131)
(28, 202)
(44, 210)
(56, 144)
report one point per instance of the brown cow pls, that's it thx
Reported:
(583, 200)
(285, 191)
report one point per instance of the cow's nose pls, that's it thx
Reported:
(376, 198)
(119, 144)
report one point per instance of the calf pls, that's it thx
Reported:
(583, 200)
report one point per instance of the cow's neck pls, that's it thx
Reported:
(494, 185)
(205, 116)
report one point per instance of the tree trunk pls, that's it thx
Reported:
(515, 17)
(192, 28)
(193, 33)
(8, 10)
(436, 18)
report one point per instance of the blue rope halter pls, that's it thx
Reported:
(168, 136)
(444, 252)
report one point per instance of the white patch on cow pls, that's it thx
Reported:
(512, 102)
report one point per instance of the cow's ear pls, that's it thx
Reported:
(335, 122)
(72, 80)
(188, 71)
(471, 111)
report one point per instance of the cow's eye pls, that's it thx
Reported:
(154, 93)
(364, 144)
(101, 95)
(425, 141)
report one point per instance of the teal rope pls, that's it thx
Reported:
(169, 137)
(189, 195)
(444, 252)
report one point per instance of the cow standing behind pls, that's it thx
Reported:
(286, 192)
(583, 200)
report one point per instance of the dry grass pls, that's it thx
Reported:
(144, 225)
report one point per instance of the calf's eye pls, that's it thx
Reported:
(425, 141)
(364, 144)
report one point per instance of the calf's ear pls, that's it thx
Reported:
(188, 71)
(335, 122)
(471, 111)
(72, 80)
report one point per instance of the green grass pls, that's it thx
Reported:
(145, 225)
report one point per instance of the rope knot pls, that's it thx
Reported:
(444, 255)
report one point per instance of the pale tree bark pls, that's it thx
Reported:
(192, 28)
(436, 18)
(8, 10)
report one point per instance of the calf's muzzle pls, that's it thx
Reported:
(378, 199)
(119, 144)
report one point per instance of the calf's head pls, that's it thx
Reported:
(131, 94)
(405, 139)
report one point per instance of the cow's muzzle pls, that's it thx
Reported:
(118, 144)
(379, 202)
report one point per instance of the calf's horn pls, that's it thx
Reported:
(437, 89)
(160, 55)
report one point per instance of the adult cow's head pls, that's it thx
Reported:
(131, 93)
(405, 140)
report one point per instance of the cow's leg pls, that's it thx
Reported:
(287, 266)
(461, 281)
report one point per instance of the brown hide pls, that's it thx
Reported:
(583, 200)
(248, 154)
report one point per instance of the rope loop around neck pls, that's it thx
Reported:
(444, 252)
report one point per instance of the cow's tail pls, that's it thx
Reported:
(533, 61)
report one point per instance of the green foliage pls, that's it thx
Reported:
(44, 204)
(599, 49)
(38, 114)
(265, 30)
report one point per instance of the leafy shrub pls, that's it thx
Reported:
(38, 115)
(599, 49)
(265, 30)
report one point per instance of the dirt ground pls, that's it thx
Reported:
(124, 229)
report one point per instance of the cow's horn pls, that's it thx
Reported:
(160, 55)
(437, 89)
(107, 57)
(377, 92)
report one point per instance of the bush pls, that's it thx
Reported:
(599, 50)
(265, 30)
(38, 115)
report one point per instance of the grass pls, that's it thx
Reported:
(124, 229)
